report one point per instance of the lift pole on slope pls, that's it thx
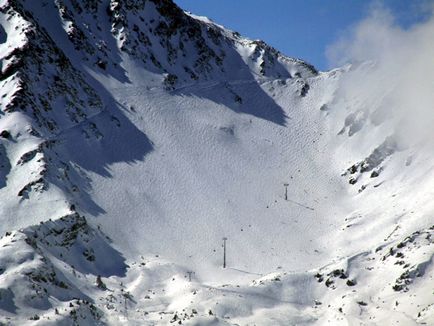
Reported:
(189, 275)
(224, 252)
(286, 190)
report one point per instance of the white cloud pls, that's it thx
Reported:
(399, 85)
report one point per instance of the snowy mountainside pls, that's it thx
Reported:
(134, 136)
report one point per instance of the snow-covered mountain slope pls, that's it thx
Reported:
(134, 137)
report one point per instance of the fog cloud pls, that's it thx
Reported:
(392, 74)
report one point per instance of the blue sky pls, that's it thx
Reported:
(300, 28)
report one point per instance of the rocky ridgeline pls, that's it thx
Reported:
(43, 80)
(38, 263)
(403, 266)
(36, 76)
(372, 165)
(168, 41)
(44, 75)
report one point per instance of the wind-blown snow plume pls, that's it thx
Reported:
(396, 79)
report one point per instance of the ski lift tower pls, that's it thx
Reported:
(224, 252)
(286, 190)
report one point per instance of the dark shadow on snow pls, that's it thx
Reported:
(7, 301)
(245, 97)
(107, 138)
(5, 166)
(3, 35)
(72, 240)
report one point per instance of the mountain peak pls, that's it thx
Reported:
(134, 137)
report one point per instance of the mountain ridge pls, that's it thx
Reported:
(134, 136)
